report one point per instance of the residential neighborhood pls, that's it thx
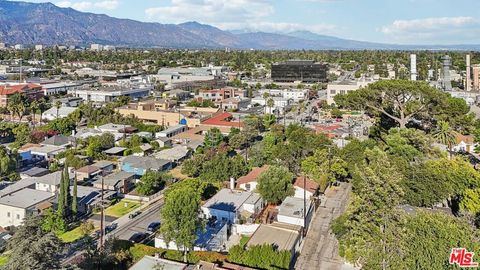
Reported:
(200, 150)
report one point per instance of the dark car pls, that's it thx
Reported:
(137, 237)
(153, 227)
(110, 227)
(134, 214)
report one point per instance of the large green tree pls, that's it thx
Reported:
(275, 184)
(152, 182)
(399, 100)
(180, 217)
(368, 231)
(324, 168)
(31, 248)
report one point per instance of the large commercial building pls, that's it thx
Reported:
(344, 87)
(159, 113)
(306, 71)
(110, 93)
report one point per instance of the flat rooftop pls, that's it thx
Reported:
(228, 200)
(283, 236)
(149, 262)
(26, 198)
(293, 207)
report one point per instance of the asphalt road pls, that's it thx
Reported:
(320, 247)
(139, 223)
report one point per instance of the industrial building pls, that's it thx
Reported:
(306, 71)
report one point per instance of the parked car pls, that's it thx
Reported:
(153, 227)
(134, 214)
(138, 237)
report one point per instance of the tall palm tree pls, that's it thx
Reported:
(265, 97)
(58, 105)
(34, 109)
(445, 135)
(270, 104)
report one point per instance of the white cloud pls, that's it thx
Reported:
(211, 10)
(89, 6)
(229, 14)
(442, 29)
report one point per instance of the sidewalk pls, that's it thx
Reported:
(320, 247)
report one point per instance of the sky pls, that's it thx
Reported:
(428, 22)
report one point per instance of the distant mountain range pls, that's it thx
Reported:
(47, 24)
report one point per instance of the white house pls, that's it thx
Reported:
(16, 206)
(291, 211)
(211, 238)
(249, 181)
(52, 113)
(46, 151)
(464, 143)
(227, 205)
(50, 182)
(310, 190)
(295, 94)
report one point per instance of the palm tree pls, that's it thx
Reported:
(265, 97)
(34, 109)
(445, 135)
(58, 105)
(270, 104)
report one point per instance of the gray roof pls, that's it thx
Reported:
(24, 183)
(25, 198)
(52, 179)
(102, 164)
(47, 149)
(149, 263)
(115, 150)
(175, 153)
(35, 171)
(145, 162)
(114, 178)
(113, 127)
(58, 140)
(228, 200)
(293, 207)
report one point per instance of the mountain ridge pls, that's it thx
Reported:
(45, 23)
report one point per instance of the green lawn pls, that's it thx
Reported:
(244, 240)
(3, 259)
(71, 236)
(119, 209)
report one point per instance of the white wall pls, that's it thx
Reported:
(45, 187)
(220, 214)
(253, 186)
(16, 216)
(244, 229)
(299, 193)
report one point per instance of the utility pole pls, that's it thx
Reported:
(102, 216)
(304, 205)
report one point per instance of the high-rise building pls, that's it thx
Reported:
(96, 47)
(468, 75)
(476, 77)
(306, 71)
(413, 67)
(446, 82)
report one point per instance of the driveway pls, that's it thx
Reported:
(320, 247)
